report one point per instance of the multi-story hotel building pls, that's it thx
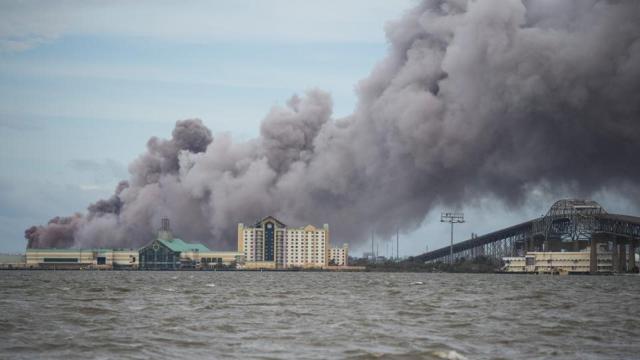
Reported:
(271, 244)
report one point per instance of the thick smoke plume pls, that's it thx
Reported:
(474, 99)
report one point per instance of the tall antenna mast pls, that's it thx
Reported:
(453, 218)
(373, 253)
(397, 244)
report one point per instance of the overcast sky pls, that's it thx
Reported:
(83, 85)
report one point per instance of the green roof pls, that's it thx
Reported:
(180, 246)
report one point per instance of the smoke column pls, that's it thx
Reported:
(474, 99)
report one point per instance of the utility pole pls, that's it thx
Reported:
(373, 254)
(397, 244)
(453, 218)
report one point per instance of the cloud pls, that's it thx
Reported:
(103, 170)
(94, 187)
(19, 123)
(26, 24)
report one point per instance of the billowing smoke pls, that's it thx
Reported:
(475, 99)
(58, 233)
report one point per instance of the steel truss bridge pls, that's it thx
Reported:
(570, 225)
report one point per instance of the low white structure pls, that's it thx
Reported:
(82, 258)
(557, 262)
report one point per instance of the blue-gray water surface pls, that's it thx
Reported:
(316, 315)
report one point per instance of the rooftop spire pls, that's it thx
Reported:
(165, 229)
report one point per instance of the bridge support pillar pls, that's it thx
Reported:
(615, 256)
(632, 256)
(622, 264)
(593, 259)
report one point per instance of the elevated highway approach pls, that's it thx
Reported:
(570, 225)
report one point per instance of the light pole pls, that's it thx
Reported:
(397, 244)
(453, 218)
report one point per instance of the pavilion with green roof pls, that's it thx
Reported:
(164, 252)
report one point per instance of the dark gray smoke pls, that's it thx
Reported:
(113, 205)
(58, 233)
(474, 99)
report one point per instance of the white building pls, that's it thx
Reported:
(270, 244)
(557, 262)
(82, 258)
(339, 256)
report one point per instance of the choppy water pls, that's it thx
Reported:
(82, 314)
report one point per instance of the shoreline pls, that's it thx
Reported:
(365, 270)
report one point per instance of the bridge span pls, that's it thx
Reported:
(569, 225)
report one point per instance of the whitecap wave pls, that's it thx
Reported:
(449, 355)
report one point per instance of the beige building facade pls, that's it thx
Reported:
(270, 244)
(339, 256)
(557, 262)
(82, 258)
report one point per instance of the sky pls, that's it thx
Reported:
(84, 85)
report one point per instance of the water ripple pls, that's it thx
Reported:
(275, 315)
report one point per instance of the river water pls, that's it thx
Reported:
(314, 315)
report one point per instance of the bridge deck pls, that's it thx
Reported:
(626, 218)
(522, 228)
(478, 241)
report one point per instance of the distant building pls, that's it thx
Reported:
(558, 262)
(169, 253)
(82, 258)
(270, 244)
(370, 256)
(339, 256)
(12, 261)
(163, 253)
